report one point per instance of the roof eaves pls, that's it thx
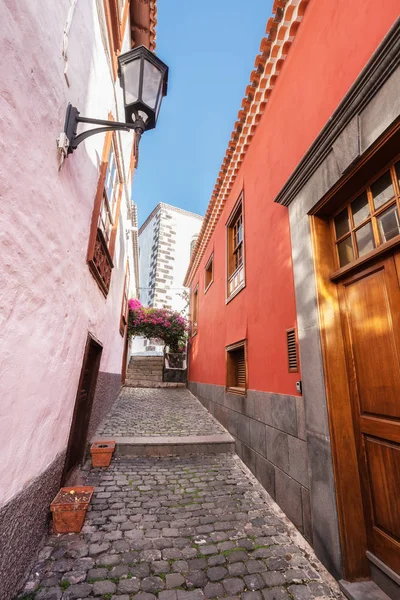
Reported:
(143, 17)
(281, 30)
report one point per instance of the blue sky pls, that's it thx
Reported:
(210, 47)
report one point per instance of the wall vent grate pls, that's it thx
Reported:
(291, 342)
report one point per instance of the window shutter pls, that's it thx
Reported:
(291, 342)
(240, 367)
(236, 368)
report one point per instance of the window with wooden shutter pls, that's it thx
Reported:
(105, 214)
(116, 12)
(235, 250)
(125, 300)
(236, 368)
(209, 273)
(291, 343)
(195, 309)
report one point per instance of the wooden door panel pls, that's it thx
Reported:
(373, 342)
(370, 309)
(386, 429)
(83, 406)
(383, 460)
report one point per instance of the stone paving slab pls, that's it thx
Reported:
(174, 446)
(188, 528)
(186, 439)
(144, 412)
(145, 383)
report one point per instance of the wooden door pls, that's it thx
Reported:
(370, 312)
(83, 406)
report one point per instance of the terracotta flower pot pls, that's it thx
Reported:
(102, 452)
(69, 508)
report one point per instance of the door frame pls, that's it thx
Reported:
(91, 339)
(352, 529)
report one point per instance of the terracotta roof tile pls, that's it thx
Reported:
(280, 32)
(153, 24)
(143, 23)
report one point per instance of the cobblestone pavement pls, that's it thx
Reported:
(153, 412)
(180, 529)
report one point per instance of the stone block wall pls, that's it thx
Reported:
(23, 524)
(107, 389)
(269, 432)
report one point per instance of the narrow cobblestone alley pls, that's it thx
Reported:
(158, 412)
(178, 528)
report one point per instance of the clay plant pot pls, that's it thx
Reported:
(69, 508)
(102, 452)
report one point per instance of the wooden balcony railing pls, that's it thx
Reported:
(101, 265)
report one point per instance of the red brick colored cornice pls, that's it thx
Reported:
(281, 30)
(143, 15)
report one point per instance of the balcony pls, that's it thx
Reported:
(101, 264)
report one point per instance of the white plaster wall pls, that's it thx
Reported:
(48, 298)
(145, 245)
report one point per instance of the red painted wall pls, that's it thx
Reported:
(334, 42)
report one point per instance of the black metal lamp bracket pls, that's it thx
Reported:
(72, 119)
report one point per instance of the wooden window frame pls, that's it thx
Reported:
(232, 249)
(108, 204)
(125, 299)
(374, 214)
(229, 367)
(292, 330)
(116, 21)
(195, 310)
(100, 250)
(210, 262)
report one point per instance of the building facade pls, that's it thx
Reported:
(69, 251)
(294, 281)
(165, 244)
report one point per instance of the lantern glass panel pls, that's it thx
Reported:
(132, 81)
(160, 96)
(151, 84)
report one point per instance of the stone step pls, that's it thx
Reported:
(142, 382)
(150, 371)
(142, 378)
(153, 384)
(174, 446)
(153, 366)
(145, 360)
(363, 590)
(136, 365)
(145, 368)
(139, 373)
(144, 375)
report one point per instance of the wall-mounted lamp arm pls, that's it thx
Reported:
(110, 126)
(72, 119)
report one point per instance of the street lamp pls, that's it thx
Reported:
(143, 79)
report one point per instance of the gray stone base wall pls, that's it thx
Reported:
(23, 523)
(107, 389)
(269, 432)
(175, 375)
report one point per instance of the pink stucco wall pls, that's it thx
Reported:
(48, 298)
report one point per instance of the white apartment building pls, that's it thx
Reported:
(165, 242)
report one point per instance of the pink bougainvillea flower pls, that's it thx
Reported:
(159, 323)
(134, 303)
